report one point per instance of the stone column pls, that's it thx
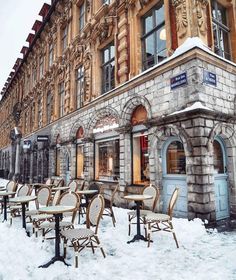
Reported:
(12, 162)
(88, 158)
(31, 166)
(17, 162)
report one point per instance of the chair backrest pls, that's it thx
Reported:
(73, 186)
(95, 211)
(24, 190)
(109, 197)
(60, 183)
(81, 185)
(70, 199)
(48, 181)
(56, 197)
(11, 186)
(94, 186)
(172, 202)
(150, 204)
(43, 196)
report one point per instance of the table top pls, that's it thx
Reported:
(6, 193)
(23, 199)
(2, 188)
(138, 197)
(60, 188)
(87, 192)
(57, 209)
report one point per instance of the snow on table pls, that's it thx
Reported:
(201, 255)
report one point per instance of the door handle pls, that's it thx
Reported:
(226, 169)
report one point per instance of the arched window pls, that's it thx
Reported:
(79, 153)
(139, 115)
(175, 158)
(57, 169)
(218, 158)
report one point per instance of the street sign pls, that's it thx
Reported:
(42, 138)
(209, 78)
(178, 81)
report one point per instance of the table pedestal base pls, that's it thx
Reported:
(137, 237)
(54, 259)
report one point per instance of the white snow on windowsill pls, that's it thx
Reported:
(194, 106)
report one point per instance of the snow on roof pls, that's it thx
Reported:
(194, 106)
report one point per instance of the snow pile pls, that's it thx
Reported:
(196, 105)
(201, 255)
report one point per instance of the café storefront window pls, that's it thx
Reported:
(79, 154)
(176, 161)
(107, 160)
(140, 159)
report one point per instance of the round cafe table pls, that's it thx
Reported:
(5, 195)
(86, 193)
(57, 211)
(137, 198)
(23, 200)
(60, 188)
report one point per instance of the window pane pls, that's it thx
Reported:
(108, 166)
(218, 158)
(106, 55)
(149, 51)
(221, 13)
(176, 162)
(148, 24)
(140, 159)
(159, 14)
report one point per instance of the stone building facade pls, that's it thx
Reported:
(135, 91)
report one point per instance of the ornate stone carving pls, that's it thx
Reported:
(88, 5)
(201, 15)
(181, 17)
(143, 2)
(16, 112)
(87, 76)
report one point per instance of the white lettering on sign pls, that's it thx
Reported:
(105, 128)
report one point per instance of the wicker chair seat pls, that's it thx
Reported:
(143, 213)
(152, 217)
(78, 233)
(32, 212)
(51, 225)
(41, 217)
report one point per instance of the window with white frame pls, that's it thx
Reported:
(49, 107)
(108, 68)
(41, 66)
(64, 38)
(154, 36)
(79, 86)
(61, 98)
(220, 29)
(81, 16)
(50, 54)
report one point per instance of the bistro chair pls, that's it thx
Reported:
(49, 181)
(81, 238)
(60, 183)
(10, 187)
(39, 218)
(15, 209)
(66, 199)
(158, 221)
(73, 185)
(148, 206)
(43, 199)
(109, 202)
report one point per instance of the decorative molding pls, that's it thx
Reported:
(181, 17)
(201, 15)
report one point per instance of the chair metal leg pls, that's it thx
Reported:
(174, 235)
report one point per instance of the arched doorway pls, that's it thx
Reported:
(220, 179)
(174, 175)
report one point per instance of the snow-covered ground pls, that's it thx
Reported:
(201, 255)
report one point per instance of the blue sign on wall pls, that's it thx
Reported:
(178, 81)
(209, 78)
